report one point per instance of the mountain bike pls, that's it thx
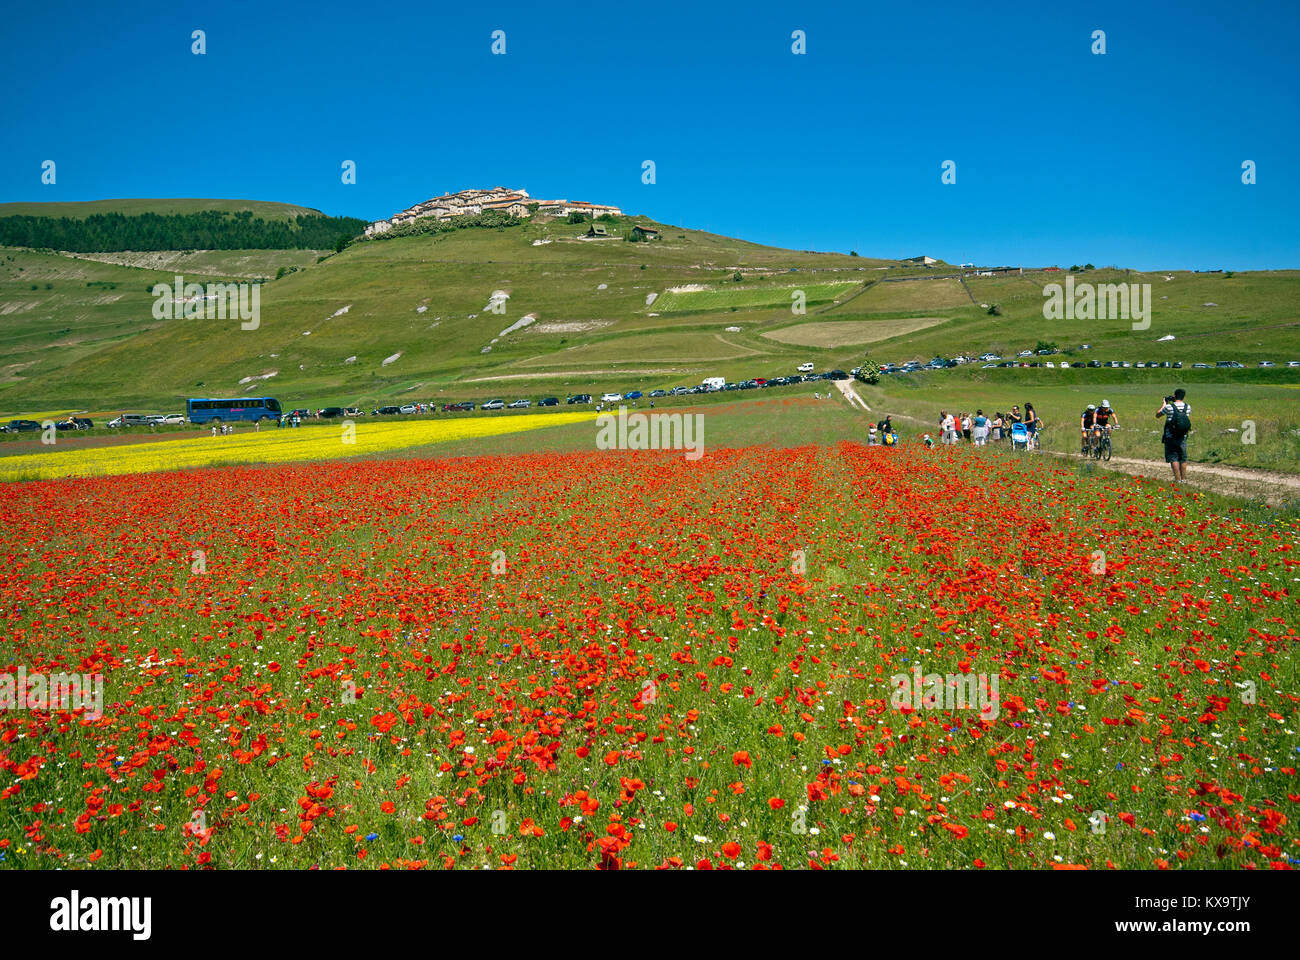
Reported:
(1099, 448)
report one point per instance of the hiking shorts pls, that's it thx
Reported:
(1176, 449)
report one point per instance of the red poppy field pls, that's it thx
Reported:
(623, 660)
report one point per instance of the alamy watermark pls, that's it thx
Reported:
(216, 301)
(651, 431)
(57, 691)
(1106, 301)
(950, 691)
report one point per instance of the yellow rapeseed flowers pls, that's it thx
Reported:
(269, 445)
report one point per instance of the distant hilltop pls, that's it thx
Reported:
(517, 203)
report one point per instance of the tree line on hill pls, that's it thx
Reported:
(201, 230)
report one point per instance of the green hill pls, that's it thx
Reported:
(419, 317)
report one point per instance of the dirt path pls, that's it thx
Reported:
(851, 395)
(1271, 486)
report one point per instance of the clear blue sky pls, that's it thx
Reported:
(1062, 156)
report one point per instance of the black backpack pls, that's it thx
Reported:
(1178, 423)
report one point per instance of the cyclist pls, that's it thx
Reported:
(1106, 419)
(1087, 420)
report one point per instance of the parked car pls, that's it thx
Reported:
(611, 397)
(838, 375)
(331, 412)
(549, 402)
(1200, 366)
(634, 395)
(408, 408)
(389, 411)
(20, 426)
(579, 398)
(1234, 364)
(658, 393)
(521, 404)
(130, 420)
(494, 405)
(1267, 363)
(806, 367)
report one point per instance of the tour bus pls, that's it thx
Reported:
(204, 410)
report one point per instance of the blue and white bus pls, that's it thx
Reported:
(203, 409)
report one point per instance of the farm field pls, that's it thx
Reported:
(629, 660)
(271, 445)
(840, 333)
(755, 295)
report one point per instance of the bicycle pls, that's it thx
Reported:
(1100, 444)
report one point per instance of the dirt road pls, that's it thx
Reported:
(1271, 486)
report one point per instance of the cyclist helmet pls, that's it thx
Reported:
(1105, 404)
(1092, 406)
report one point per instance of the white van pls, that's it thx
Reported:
(715, 383)
(611, 398)
(806, 367)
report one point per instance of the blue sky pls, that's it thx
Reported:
(1062, 156)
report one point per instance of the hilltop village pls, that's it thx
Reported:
(517, 203)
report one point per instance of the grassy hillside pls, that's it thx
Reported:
(211, 263)
(541, 309)
(588, 297)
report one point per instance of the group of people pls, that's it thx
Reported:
(979, 428)
(1097, 419)
(882, 433)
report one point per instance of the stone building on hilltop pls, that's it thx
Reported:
(465, 202)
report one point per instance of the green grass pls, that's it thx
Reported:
(748, 295)
(251, 264)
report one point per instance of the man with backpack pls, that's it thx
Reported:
(1176, 412)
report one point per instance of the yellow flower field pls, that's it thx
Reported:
(270, 445)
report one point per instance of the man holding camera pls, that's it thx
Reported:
(1176, 412)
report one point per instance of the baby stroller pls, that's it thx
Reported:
(1019, 437)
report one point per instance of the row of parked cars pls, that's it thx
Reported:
(146, 420)
(29, 426)
(1024, 358)
(715, 384)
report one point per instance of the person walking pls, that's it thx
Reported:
(1034, 424)
(979, 429)
(1177, 414)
